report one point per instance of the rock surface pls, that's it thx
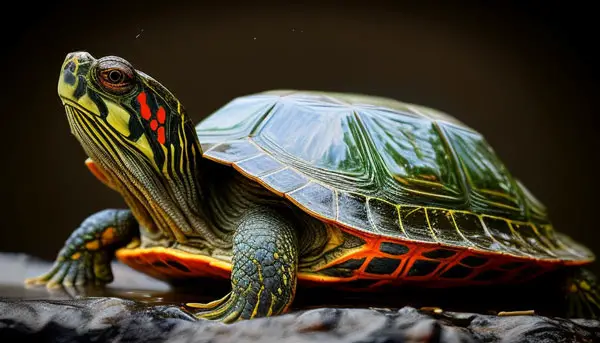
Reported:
(119, 320)
(40, 316)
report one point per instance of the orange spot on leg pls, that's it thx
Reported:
(93, 245)
(108, 236)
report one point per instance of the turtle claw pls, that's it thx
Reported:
(210, 305)
(45, 279)
(82, 269)
(227, 309)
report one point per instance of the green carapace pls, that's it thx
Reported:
(286, 190)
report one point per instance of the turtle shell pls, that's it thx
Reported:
(386, 169)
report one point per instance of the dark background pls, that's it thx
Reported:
(523, 75)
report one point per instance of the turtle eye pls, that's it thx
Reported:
(115, 75)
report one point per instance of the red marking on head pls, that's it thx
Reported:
(160, 115)
(153, 124)
(161, 135)
(145, 110)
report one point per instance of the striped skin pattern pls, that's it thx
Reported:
(156, 171)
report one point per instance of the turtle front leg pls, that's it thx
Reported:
(263, 278)
(85, 259)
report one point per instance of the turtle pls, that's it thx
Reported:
(285, 189)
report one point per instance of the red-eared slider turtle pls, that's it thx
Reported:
(343, 190)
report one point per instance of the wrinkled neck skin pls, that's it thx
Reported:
(168, 206)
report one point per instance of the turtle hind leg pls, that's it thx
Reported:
(86, 256)
(263, 277)
(582, 294)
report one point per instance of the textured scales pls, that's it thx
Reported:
(385, 169)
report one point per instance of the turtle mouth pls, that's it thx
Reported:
(71, 105)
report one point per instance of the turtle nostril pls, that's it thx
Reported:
(70, 66)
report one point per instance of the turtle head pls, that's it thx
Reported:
(136, 134)
(113, 107)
